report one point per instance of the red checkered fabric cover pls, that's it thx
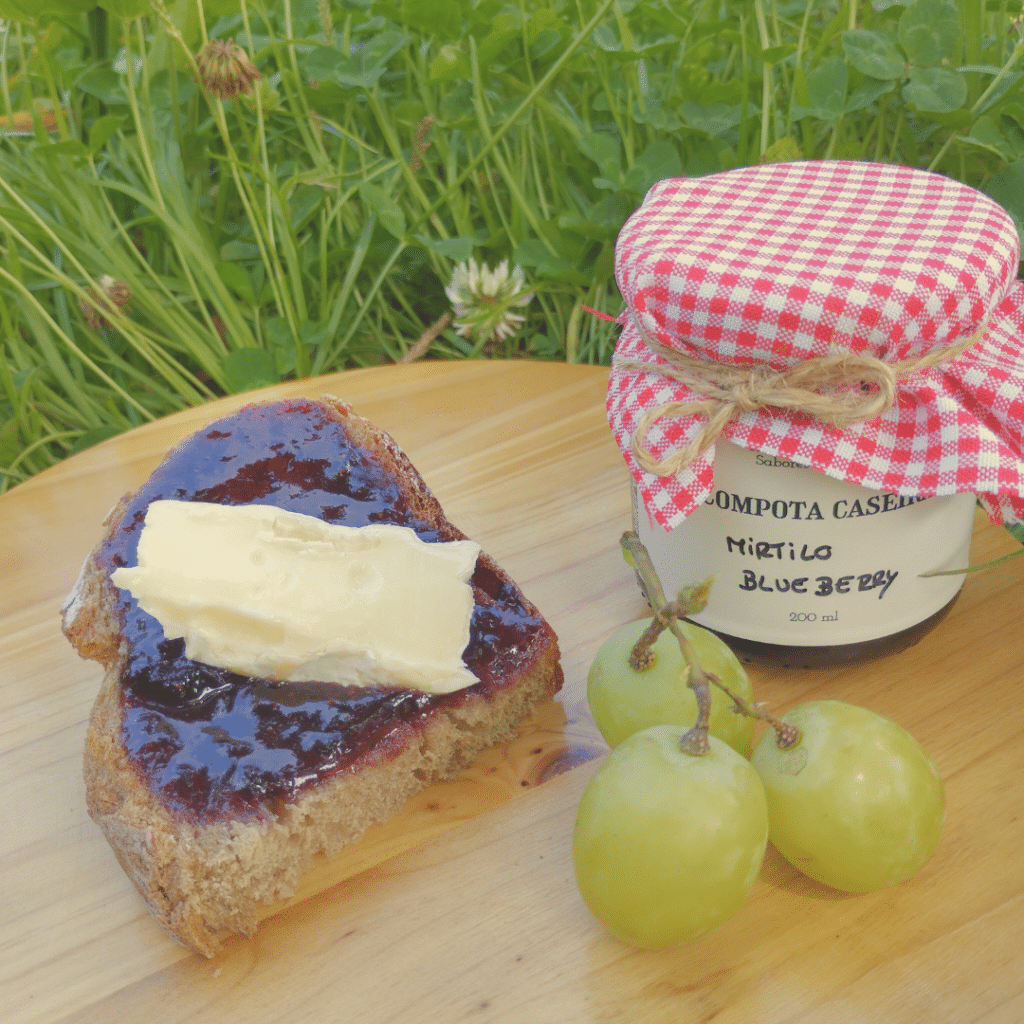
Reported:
(779, 263)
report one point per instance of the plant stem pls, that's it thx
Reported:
(979, 105)
(668, 615)
(527, 102)
(766, 75)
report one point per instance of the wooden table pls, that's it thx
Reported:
(464, 908)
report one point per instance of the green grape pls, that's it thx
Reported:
(624, 701)
(667, 845)
(857, 804)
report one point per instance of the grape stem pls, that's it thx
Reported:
(667, 615)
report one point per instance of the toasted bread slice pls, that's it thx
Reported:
(217, 791)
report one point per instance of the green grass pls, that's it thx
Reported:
(314, 224)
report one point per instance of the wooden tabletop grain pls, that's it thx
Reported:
(463, 908)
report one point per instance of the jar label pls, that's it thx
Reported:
(800, 559)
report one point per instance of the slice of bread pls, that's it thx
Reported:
(215, 791)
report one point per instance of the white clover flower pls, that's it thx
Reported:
(484, 300)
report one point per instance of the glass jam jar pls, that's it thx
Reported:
(818, 379)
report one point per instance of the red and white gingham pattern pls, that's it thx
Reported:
(783, 262)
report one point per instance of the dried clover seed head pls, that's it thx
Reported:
(225, 69)
(113, 294)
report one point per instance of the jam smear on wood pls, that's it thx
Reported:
(213, 744)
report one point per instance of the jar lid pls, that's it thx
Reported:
(862, 319)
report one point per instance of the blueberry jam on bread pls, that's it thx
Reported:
(216, 790)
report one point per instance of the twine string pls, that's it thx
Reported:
(840, 388)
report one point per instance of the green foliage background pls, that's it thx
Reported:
(313, 225)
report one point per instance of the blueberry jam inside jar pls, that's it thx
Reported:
(213, 744)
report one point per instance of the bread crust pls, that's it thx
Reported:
(202, 880)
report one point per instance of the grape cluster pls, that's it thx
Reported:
(668, 842)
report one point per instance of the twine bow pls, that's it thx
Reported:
(840, 388)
